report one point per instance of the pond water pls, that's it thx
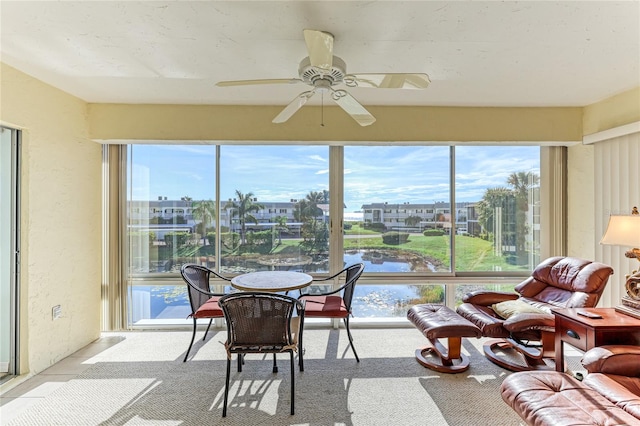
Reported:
(376, 262)
(382, 301)
(369, 301)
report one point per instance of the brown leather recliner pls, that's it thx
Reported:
(609, 394)
(528, 325)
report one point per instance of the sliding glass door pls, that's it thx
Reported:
(9, 148)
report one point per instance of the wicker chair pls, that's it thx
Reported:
(261, 323)
(335, 303)
(204, 303)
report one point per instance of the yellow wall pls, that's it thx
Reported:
(115, 122)
(61, 219)
(615, 111)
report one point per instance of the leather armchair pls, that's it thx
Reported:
(557, 282)
(609, 394)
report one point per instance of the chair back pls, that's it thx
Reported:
(258, 321)
(353, 273)
(198, 287)
(566, 282)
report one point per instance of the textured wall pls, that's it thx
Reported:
(61, 219)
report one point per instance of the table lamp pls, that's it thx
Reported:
(624, 230)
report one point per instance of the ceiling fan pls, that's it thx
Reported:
(322, 71)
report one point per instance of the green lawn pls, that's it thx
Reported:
(473, 254)
(357, 229)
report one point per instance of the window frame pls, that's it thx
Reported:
(336, 180)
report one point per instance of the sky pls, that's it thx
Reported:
(372, 174)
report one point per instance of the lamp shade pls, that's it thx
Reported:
(623, 230)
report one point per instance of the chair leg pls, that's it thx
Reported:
(346, 323)
(226, 388)
(275, 365)
(193, 336)
(292, 384)
(300, 350)
(207, 330)
(240, 362)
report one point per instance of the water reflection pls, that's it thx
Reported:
(391, 261)
(369, 301)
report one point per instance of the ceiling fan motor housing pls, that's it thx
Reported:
(320, 78)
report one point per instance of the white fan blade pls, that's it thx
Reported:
(352, 107)
(293, 106)
(388, 81)
(252, 82)
(320, 48)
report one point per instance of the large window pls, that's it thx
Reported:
(497, 208)
(274, 208)
(397, 204)
(423, 219)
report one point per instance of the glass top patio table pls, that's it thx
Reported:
(271, 281)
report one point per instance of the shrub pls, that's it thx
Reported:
(176, 239)
(230, 240)
(375, 226)
(395, 237)
(261, 241)
(148, 236)
(433, 232)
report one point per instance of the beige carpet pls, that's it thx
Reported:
(141, 380)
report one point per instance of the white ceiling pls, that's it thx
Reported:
(477, 53)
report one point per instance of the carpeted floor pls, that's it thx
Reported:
(140, 379)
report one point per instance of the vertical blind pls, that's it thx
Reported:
(617, 190)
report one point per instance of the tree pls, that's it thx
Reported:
(522, 182)
(315, 234)
(281, 225)
(205, 211)
(242, 208)
(412, 220)
(308, 207)
(492, 199)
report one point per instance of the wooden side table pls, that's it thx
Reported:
(585, 333)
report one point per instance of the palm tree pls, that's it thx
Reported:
(492, 198)
(522, 182)
(314, 232)
(204, 210)
(243, 208)
(307, 208)
(281, 225)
